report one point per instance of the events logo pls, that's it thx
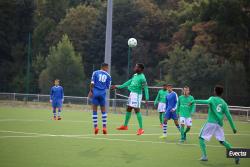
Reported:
(238, 153)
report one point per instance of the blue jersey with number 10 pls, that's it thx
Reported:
(101, 80)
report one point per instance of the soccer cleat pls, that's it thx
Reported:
(164, 136)
(59, 118)
(54, 118)
(140, 131)
(122, 128)
(203, 158)
(237, 161)
(104, 131)
(96, 131)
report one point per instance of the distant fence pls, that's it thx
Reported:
(117, 105)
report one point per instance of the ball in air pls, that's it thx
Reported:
(132, 42)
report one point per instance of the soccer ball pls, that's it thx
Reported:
(132, 42)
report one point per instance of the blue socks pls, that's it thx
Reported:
(164, 128)
(95, 119)
(104, 119)
(54, 112)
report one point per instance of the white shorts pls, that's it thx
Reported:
(212, 129)
(134, 100)
(186, 121)
(161, 107)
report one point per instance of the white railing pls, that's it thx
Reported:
(116, 104)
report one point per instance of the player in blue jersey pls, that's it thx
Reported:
(170, 113)
(56, 99)
(100, 82)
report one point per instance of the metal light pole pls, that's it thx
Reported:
(108, 43)
(27, 83)
(129, 61)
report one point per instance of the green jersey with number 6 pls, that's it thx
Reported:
(216, 111)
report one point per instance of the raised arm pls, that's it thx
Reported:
(208, 101)
(124, 85)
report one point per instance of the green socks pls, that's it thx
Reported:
(182, 132)
(187, 130)
(127, 118)
(203, 147)
(226, 144)
(161, 115)
(139, 118)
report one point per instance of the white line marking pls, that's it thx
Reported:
(112, 123)
(94, 137)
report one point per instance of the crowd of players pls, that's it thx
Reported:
(169, 106)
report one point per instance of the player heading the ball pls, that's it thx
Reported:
(100, 82)
(135, 86)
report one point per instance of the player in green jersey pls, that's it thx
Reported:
(160, 100)
(185, 111)
(214, 125)
(135, 86)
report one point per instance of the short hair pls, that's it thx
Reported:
(170, 84)
(187, 87)
(140, 65)
(104, 65)
(165, 84)
(218, 90)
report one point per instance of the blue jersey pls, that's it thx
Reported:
(171, 101)
(56, 93)
(101, 80)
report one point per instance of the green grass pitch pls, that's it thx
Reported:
(29, 138)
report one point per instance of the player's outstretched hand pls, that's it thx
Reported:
(235, 131)
(113, 87)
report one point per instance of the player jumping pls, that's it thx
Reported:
(135, 86)
(100, 81)
(56, 99)
(161, 101)
(217, 108)
(184, 110)
(171, 106)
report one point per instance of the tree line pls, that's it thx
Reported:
(198, 43)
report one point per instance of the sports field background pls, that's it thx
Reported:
(29, 138)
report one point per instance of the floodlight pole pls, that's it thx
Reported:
(108, 43)
(27, 82)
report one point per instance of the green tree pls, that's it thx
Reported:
(65, 64)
